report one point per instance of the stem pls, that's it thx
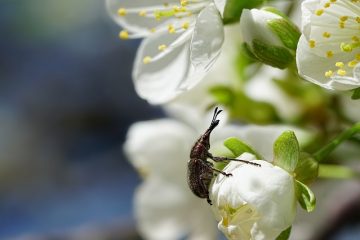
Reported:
(336, 172)
(327, 149)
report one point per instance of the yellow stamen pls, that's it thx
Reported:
(185, 25)
(319, 12)
(162, 47)
(329, 54)
(341, 72)
(124, 35)
(171, 28)
(352, 63)
(312, 43)
(142, 13)
(339, 64)
(122, 11)
(344, 18)
(147, 60)
(326, 5)
(326, 35)
(328, 73)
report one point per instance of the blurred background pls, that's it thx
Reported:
(66, 101)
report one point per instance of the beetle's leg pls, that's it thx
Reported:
(205, 179)
(222, 159)
(223, 173)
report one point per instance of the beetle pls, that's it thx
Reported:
(200, 171)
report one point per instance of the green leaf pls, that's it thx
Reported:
(233, 9)
(243, 108)
(284, 235)
(305, 196)
(279, 57)
(238, 147)
(307, 168)
(244, 59)
(356, 94)
(286, 151)
(286, 31)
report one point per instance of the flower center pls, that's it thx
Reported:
(341, 21)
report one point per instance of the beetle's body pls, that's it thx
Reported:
(200, 170)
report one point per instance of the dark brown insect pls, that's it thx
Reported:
(200, 170)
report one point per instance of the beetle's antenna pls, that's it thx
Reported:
(216, 113)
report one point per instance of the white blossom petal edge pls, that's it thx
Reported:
(256, 202)
(328, 52)
(183, 40)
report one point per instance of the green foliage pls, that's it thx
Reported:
(286, 151)
(337, 172)
(305, 196)
(287, 32)
(244, 59)
(356, 94)
(284, 235)
(279, 57)
(233, 9)
(238, 147)
(242, 107)
(307, 168)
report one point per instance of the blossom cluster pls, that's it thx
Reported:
(263, 67)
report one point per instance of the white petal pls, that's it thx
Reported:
(160, 147)
(168, 211)
(206, 42)
(312, 68)
(267, 191)
(308, 8)
(132, 21)
(160, 210)
(220, 5)
(160, 81)
(253, 25)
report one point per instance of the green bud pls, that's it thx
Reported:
(270, 36)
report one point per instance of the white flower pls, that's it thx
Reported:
(256, 202)
(165, 208)
(328, 52)
(183, 40)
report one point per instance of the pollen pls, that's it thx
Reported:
(312, 43)
(352, 63)
(341, 72)
(124, 35)
(326, 5)
(147, 60)
(142, 13)
(339, 64)
(184, 3)
(326, 35)
(329, 73)
(122, 11)
(162, 47)
(346, 47)
(171, 28)
(319, 12)
(329, 54)
(341, 24)
(185, 25)
(344, 18)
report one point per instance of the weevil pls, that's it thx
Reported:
(201, 171)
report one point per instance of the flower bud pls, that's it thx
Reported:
(255, 202)
(270, 36)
